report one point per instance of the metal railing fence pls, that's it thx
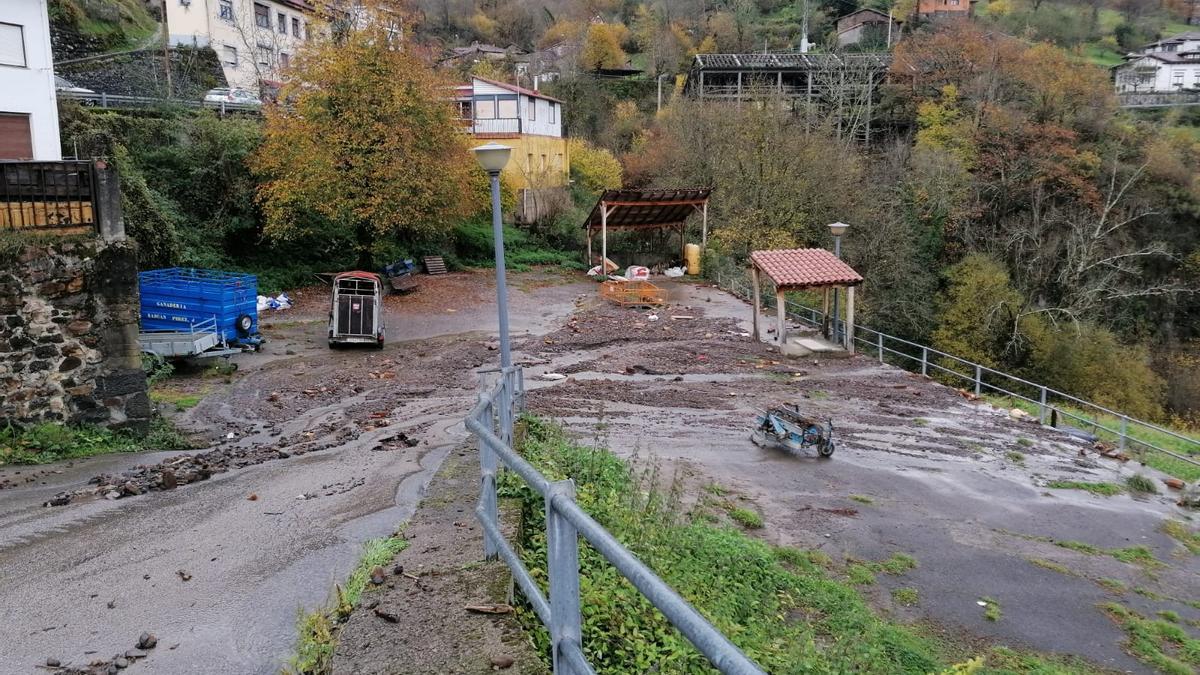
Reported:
(47, 195)
(491, 421)
(105, 100)
(915, 357)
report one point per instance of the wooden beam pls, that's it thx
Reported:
(757, 300)
(849, 332)
(825, 313)
(780, 317)
(603, 240)
(662, 202)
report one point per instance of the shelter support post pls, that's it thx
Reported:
(603, 240)
(704, 227)
(589, 246)
(781, 316)
(825, 313)
(757, 299)
(848, 331)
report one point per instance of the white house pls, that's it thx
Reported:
(28, 108)
(1171, 64)
(255, 39)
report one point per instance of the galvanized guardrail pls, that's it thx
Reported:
(924, 359)
(104, 100)
(491, 421)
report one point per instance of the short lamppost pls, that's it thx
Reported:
(837, 230)
(492, 157)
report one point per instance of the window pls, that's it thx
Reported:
(485, 108)
(543, 164)
(532, 109)
(553, 113)
(284, 60)
(231, 56)
(226, 10)
(264, 55)
(295, 27)
(529, 163)
(506, 107)
(281, 22)
(1178, 78)
(12, 45)
(262, 16)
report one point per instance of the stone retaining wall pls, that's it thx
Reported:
(68, 335)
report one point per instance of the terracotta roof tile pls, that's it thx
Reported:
(805, 267)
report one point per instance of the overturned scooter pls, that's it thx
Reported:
(786, 427)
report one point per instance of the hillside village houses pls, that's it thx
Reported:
(254, 39)
(28, 121)
(1169, 65)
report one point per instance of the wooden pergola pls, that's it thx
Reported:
(653, 208)
(801, 269)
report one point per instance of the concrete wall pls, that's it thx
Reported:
(68, 335)
(29, 89)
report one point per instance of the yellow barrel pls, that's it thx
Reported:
(691, 253)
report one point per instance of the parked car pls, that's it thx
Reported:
(232, 95)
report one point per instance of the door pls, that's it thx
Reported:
(16, 139)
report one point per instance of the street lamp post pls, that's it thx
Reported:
(837, 230)
(492, 157)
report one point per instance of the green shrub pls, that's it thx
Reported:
(1139, 483)
(1103, 489)
(746, 518)
(51, 442)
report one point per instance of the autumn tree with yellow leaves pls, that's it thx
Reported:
(366, 140)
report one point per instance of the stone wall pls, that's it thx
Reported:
(68, 335)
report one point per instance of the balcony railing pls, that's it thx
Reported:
(497, 125)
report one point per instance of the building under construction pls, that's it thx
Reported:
(841, 88)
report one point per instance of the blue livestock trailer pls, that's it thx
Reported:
(187, 312)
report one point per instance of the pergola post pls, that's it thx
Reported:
(825, 313)
(704, 227)
(604, 239)
(849, 331)
(781, 315)
(757, 300)
(589, 245)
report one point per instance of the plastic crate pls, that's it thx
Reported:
(177, 298)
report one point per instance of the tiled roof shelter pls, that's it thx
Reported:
(798, 269)
(801, 268)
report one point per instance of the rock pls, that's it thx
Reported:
(378, 576)
(53, 663)
(252, 497)
(167, 480)
(184, 575)
(1174, 483)
(1190, 497)
(147, 641)
(502, 662)
(135, 654)
(112, 494)
(121, 662)
(386, 615)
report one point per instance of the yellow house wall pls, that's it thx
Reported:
(524, 165)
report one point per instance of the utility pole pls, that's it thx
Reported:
(804, 29)
(889, 37)
(166, 47)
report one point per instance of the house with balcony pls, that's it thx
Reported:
(1167, 66)
(525, 119)
(254, 39)
(28, 108)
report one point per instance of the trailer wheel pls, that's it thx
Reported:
(244, 323)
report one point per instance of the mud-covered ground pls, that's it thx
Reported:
(309, 452)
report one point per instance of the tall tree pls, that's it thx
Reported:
(367, 140)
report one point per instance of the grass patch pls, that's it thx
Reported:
(1024, 442)
(318, 629)
(897, 563)
(1053, 566)
(1180, 532)
(1147, 593)
(906, 596)
(862, 499)
(1169, 615)
(920, 422)
(1015, 457)
(818, 395)
(1140, 484)
(1114, 585)
(46, 443)
(1080, 547)
(1136, 555)
(1158, 643)
(991, 609)
(746, 518)
(1102, 489)
(860, 574)
(716, 490)
(180, 399)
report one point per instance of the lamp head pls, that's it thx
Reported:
(492, 157)
(838, 229)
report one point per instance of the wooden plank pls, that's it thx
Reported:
(434, 264)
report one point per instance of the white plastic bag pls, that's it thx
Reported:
(673, 272)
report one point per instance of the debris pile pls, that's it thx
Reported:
(116, 664)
